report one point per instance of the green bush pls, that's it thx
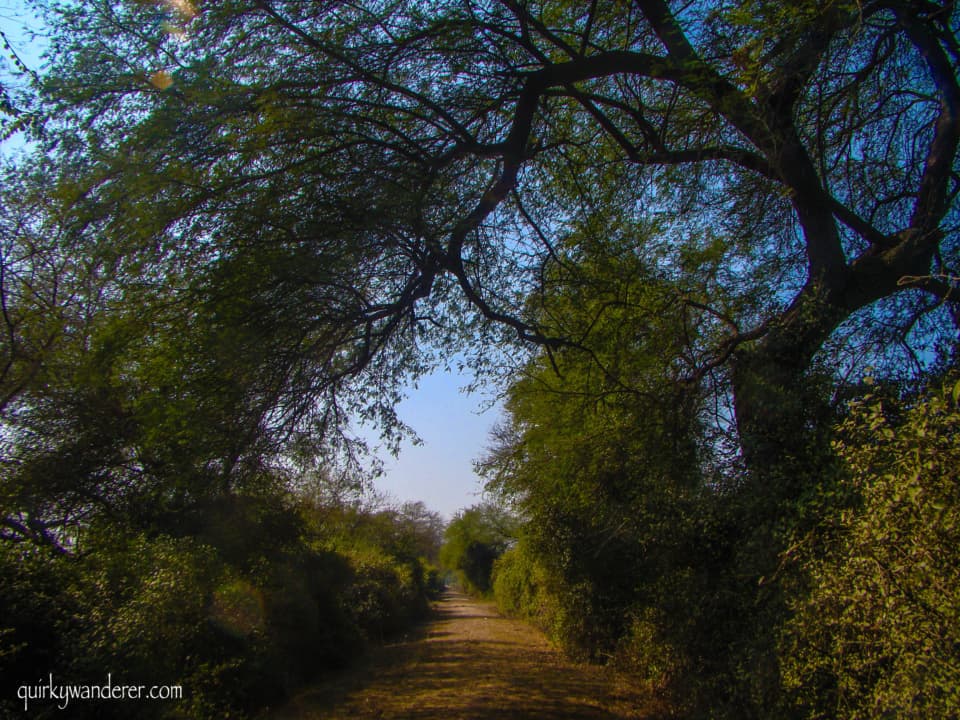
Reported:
(473, 541)
(434, 582)
(37, 619)
(309, 627)
(154, 609)
(878, 632)
(384, 595)
(514, 585)
(146, 603)
(522, 587)
(645, 655)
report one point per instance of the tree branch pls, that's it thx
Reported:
(931, 204)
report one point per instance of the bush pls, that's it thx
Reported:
(154, 609)
(515, 587)
(146, 603)
(384, 595)
(644, 653)
(878, 633)
(434, 582)
(252, 596)
(37, 619)
(571, 614)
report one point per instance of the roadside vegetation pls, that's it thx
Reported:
(264, 593)
(472, 542)
(634, 554)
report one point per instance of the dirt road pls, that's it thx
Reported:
(469, 663)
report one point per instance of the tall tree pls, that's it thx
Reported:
(413, 167)
(289, 207)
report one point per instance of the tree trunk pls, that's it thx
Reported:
(774, 401)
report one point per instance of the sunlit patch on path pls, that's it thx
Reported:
(471, 663)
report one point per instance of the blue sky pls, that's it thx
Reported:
(454, 428)
(13, 17)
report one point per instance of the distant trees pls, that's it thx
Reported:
(473, 540)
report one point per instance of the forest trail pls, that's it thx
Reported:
(470, 663)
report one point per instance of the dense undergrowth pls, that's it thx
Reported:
(849, 612)
(268, 595)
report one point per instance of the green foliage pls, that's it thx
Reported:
(146, 604)
(384, 595)
(600, 452)
(643, 546)
(237, 624)
(520, 584)
(39, 616)
(473, 541)
(398, 545)
(876, 632)
(523, 586)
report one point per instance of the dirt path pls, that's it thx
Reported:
(469, 663)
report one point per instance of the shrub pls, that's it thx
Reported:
(384, 595)
(146, 607)
(37, 619)
(878, 633)
(238, 611)
(520, 586)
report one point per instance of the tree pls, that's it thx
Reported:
(50, 295)
(293, 207)
(630, 547)
(18, 86)
(419, 532)
(426, 162)
(473, 540)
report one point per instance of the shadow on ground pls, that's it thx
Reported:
(470, 663)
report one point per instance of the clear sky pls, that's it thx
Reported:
(454, 429)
